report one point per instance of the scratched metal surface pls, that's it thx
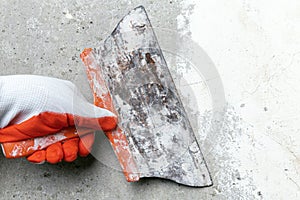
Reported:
(150, 111)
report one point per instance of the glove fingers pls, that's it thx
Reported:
(106, 123)
(70, 149)
(51, 123)
(85, 144)
(67, 150)
(54, 153)
(37, 157)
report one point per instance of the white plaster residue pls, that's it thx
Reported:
(43, 142)
(67, 14)
(255, 47)
(17, 150)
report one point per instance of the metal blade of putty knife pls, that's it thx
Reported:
(154, 136)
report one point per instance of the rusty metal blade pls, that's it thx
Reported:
(159, 135)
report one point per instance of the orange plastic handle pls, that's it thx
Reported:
(103, 99)
(27, 147)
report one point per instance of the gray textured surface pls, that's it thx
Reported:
(255, 47)
(40, 38)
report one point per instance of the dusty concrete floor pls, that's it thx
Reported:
(255, 48)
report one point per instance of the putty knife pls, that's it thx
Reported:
(129, 75)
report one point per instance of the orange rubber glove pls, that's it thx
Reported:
(35, 106)
(66, 150)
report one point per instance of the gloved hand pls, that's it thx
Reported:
(34, 106)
